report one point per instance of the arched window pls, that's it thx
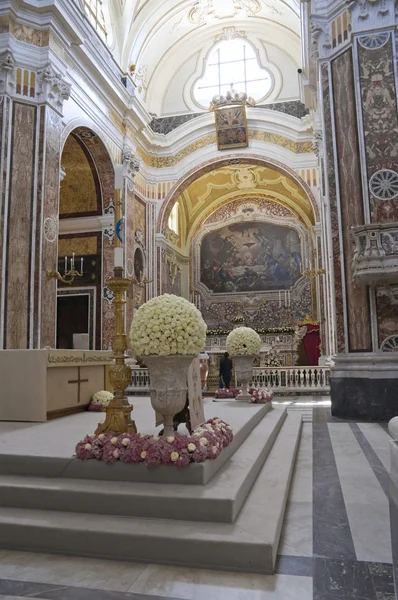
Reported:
(95, 13)
(173, 219)
(232, 62)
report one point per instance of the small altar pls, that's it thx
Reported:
(42, 384)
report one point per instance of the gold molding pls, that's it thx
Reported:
(83, 359)
(159, 162)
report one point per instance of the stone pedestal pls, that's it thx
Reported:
(364, 386)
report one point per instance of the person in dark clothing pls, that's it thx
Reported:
(226, 369)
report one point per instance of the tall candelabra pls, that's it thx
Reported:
(118, 413)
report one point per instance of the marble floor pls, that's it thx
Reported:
(335, 542)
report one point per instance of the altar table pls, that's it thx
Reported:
(41, 384)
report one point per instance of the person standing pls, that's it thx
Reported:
(226, 369)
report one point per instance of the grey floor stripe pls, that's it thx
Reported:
(331, 530)
(300, 566)
(46, 591)
(377, 466)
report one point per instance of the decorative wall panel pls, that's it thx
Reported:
(50, 212)
(380, 121)
(330, 169)
(80, 194)
(351, 203)
(18, 270)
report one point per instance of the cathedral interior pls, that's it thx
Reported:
(253, 145)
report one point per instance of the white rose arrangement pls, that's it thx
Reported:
(242, 341)
(102, 398)
(167, 325)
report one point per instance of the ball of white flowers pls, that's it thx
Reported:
(102, 398)
(167, 325)
(243, 340)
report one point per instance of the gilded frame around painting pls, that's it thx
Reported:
(231, 127)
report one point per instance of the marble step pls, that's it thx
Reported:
(219, 501)
(196, 474)
(250, 544)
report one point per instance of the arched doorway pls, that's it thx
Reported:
(84, 310)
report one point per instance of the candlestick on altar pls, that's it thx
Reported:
(118, 413)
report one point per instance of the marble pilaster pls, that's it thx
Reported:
(31, 109)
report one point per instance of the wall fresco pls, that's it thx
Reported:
(250, 257)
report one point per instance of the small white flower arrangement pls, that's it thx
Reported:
(100, 401)
(243, 341)
(168, 325)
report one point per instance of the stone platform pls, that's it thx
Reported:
(230, 517)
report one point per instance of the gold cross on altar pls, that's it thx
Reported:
(78, 381)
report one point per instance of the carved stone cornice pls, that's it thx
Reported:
(375, 257)
(7, 72)
(367, 6)
(53, 87)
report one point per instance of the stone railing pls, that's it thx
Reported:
(139, 381)
(280, 379)
(376, 253)
(293, 379)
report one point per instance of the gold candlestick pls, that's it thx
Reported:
(118, 413)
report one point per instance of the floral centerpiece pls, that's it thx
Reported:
(168, 332)
(206, 443)
(244, 343)
(100, 401)
(261, 396)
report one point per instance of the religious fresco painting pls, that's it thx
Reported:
(231, 125)
(250, 257)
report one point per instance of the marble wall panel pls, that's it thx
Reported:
(380, 122)
(330, 172)
(130, 246)
(351, 202)
(49, 227)
(18, 271)
(140, 224)
(322, 315)
(36, 342)
(5, 108)
(387, 316)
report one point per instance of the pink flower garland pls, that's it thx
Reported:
(224, 393)
(260, 396)
(206, 443)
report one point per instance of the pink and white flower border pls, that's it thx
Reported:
(260, 396)
(206, 443)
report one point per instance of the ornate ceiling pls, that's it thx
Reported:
(221, 186)
(161, 38)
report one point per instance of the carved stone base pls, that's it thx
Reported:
(168, 386)
(364, 386)
(244, 373)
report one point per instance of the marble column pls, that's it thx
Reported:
(31, 102)
(357, 95)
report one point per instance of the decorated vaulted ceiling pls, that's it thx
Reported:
(221, 186)
(168, 41)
